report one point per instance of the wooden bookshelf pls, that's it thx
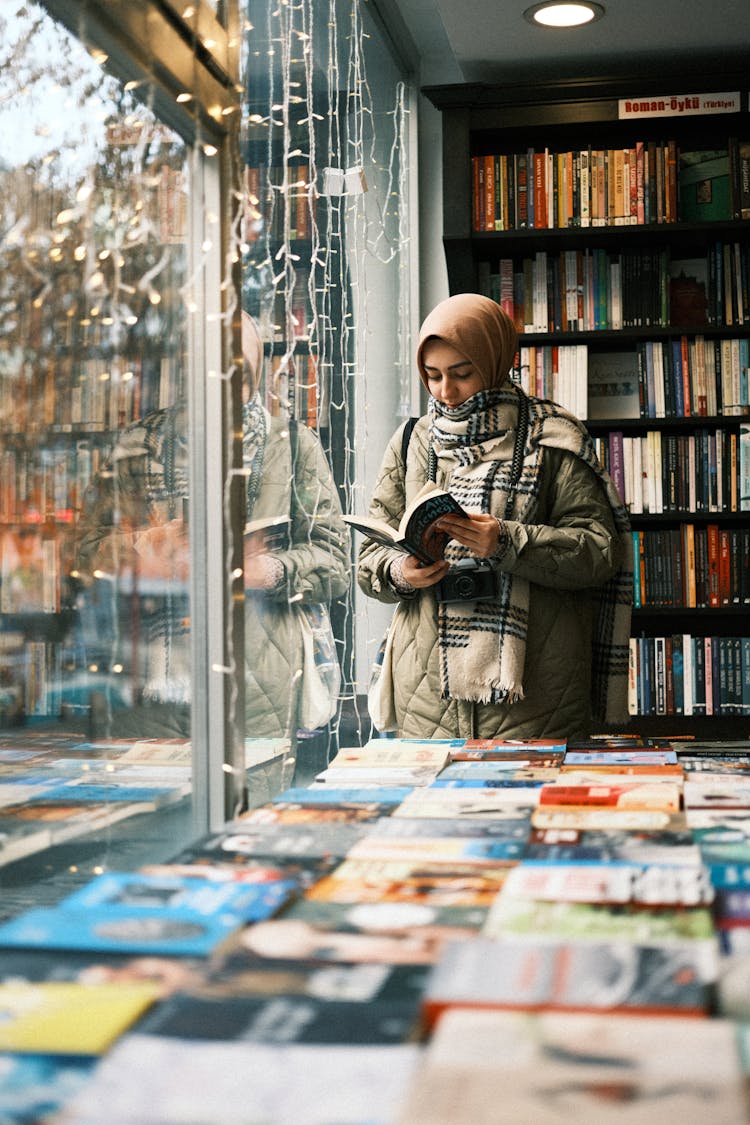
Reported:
(622, 237)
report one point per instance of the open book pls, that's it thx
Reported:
(416, 534)
(276, 531)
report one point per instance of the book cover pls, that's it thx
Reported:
(376, 777)
(134, 913)
(417, 533)
(495, 773)
(270, 533)
(36, 1086)
(562, 845)
(394, 933)
(292, 812)
(617, 757)
(507, 804)
(499, 767)
(232, 1012)
(231, 1081)
(507, 1067)
(619, 775)
(514, 828)
(733, 793)
(552, 816)
(538, 919)
(662, 795)
(704, 185)
(232, 852)
(294, 841)
(409, 878)
(613, 379)
(437, 849)
(523, 779)
(589, 976)
(611, 883)
(386, 798)
(29, 578)
(537, 753)
(69, 1017)
(395, 752)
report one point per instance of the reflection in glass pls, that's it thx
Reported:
(94, 610)
(296, 561)
(325, 252)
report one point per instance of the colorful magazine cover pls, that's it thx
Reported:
(134, 913)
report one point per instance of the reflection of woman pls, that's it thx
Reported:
(137, 505)
(286, 474)
(548, 644)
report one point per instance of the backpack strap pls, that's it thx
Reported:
(406, 438)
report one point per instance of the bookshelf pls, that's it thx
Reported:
(610, 218)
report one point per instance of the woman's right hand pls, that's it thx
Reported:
(420, 575)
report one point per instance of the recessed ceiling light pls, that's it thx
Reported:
(561, 13)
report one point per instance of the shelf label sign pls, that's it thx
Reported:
(679, 105)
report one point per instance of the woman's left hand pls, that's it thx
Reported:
(479, 533)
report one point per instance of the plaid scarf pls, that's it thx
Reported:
(482, 645)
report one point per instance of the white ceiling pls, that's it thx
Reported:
(490, 41)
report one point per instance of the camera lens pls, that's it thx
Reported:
(465, 586)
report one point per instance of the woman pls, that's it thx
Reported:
(548, 647)
(134, 511)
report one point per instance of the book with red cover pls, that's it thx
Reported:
(663, 795)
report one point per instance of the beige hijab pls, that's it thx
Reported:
(479, 329)
(252, 356)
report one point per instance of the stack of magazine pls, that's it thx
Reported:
(432, 933)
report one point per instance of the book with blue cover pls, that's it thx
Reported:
(136, 913)
(328, 795)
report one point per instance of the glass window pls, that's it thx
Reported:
(326, 296)
(95, 614)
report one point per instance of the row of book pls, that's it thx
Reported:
(58, 788)
(692, 566)
(436, 932)
(663, 472)
(594, 290)
(681, 674)
(681, 378)
(55, 789)
(647, 182)
(46, 484)
(90, 395)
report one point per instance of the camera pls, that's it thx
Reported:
(468, 580)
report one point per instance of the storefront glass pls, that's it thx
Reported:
(95, 611)
(326, 256)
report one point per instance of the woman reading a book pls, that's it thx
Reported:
(522, 630)
(296, 553)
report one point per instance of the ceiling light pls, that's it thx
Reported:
(560, 13)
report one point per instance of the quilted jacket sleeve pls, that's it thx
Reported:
(393, 490)
(317, 563)
(574, 544)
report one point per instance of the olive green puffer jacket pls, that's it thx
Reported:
(317, 570)
(572, 550)
(134, 494)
